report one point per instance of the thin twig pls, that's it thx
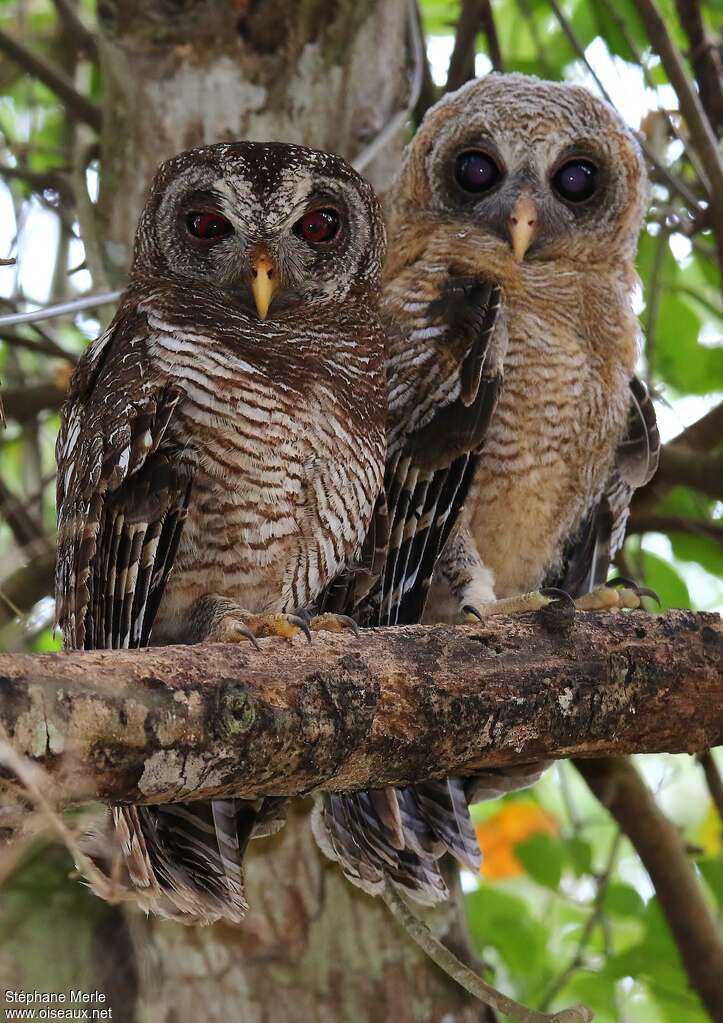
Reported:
(37, 783)
(38, 345)
(69, 308)
(466, 978)
(675, 524)
(475, 15)
(691, 107)
(76, 28)
(77, 105)
(705, 56)
(593, 919)
(713, 780)
(678, 186)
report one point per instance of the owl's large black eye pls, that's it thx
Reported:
(317, 226)
(476, 171)
(208, 227)
(576, 180)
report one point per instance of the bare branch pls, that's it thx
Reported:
(24, 403)
(26, 530)
(475, 15)
(713, 780)
(77, 105)
(38, 345)
(466, 978)
(618, 786)
(706, 60)
(699, 127)
(675, 524)
(394, 706)
(26, 586)
(76, 28)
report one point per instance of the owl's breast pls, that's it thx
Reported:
(549, 448)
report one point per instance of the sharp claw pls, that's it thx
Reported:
(300, 623)
(349, 623)
(245, 631)
(562, 597)
(621, 580)
(470, 609)
(630, 584)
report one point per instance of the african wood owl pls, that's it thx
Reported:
(536, 191)
(513, 226)
(222, 448)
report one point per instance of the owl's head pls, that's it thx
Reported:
(544, 166)
(276, 225)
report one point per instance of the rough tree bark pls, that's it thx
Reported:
(324, 73)
(387, 708)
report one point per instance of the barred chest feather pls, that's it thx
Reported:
(284, 484)
(561, 414)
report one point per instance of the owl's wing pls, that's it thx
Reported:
(432, 460)
(589, 553)
(401, 833)
(122, 500)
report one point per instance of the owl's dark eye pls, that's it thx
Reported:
(476, 171)
(576, 180)
(209, 227)
(317, 226)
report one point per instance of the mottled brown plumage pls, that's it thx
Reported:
(217, 469)
(568, 431)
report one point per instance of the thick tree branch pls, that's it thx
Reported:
(619, 787)
(391, 707)
(77, 105)
(705, 435)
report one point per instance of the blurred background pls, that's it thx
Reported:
(563, 910)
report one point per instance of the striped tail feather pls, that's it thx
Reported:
(184, 860)
(398, 834)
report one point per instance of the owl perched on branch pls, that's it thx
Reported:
(512, 401)
(222, 449)
(535, 190)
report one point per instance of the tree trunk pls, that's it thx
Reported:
(329, 74)
(180, 73)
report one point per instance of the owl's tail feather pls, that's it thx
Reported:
(182, 861)
(398, 834)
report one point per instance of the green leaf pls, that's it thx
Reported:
(542, 857)
(680, 360)
(579, 853)
(622, 900)
(702, 549)
(666, 582)
(504, 922)
(712, 870)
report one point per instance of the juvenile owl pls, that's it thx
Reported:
(222, 448)
(538, 190)
(513, 226)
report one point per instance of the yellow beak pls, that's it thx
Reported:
(264, 280)
(523, 225)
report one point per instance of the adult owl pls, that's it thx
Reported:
(512, 397)
(222, 449)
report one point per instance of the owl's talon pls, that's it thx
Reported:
(245, 632)
(301, 621)
(630, 584)
(334, 623)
